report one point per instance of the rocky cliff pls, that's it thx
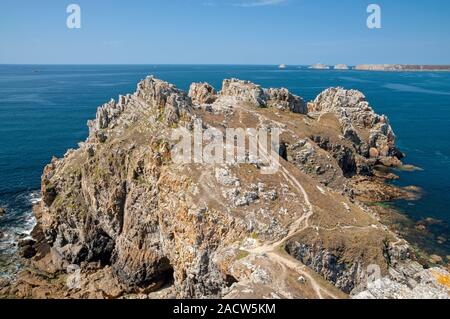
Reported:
(401, 67)
(341, 67)
(137, 224)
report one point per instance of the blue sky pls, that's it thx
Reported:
(224, 32)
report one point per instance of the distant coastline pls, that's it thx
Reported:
(384, 67)
(401, 67)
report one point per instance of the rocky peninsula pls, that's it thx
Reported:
(401, 67)
(341, 67)
(138, 225)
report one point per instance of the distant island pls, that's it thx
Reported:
(341, 67)
(381, 67)
(401, 67)
(319, 66)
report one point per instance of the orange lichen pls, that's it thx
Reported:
(444, 280)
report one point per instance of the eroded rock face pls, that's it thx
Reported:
(202, 93)
(115, 201)
(369, 278)
(344, 156)
(249, 92)
(355, 114)
(282, 99)
(406, 279)
(345, 268)
(173, 103)
(245, 91)
(427, 287)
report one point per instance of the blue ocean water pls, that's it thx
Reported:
(44, 110)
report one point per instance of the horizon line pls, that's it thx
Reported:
(216, 64)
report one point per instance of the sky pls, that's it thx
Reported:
(296, 32)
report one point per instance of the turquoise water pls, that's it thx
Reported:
(44, 110)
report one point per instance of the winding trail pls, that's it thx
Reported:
(273, 251)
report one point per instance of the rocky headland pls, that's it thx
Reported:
(401, 67)
(138, 225)
(341, 67)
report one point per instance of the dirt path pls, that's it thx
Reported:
(272, 250)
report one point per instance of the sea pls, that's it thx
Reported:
(44, 110)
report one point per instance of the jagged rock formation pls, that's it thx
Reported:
(244, 91)
(416, 283)
(401, 67)
(137, 223)
(202, 93)
(280, 99)
(341, 67)
(283, 100)
(369, 132)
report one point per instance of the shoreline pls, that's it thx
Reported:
(418, 233)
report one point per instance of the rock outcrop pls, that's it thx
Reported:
(406, 280)
(136, 223)
(282, 99)
(202, 93)
(245, 91)
(249, 92)
(356, 115)
(341, 67)
(425, 285)
(401, 67)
